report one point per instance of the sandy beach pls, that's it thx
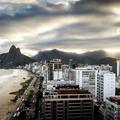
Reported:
(10, 82)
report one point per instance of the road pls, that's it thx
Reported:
(26, 109)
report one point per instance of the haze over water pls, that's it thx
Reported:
(9, 82)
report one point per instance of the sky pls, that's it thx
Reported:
(37, 25)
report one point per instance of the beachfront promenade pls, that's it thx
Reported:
(28, 103)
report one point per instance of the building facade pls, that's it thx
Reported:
(118, 68)
(57, 74)
(113, 108)
(86, 78)
(105, 85)
(102, 112)
(52, 66)
(68, 102)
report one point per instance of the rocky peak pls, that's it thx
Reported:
(54, 50)
(14, 50)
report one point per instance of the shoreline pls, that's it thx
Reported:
(16, 79)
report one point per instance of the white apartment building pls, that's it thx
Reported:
(57, 74)
(52, 66)
(97, 79)
(118, 67)
(44, 72)
(86, 78)
(113, 108)
(105, 85)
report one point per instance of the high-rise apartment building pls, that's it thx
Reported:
(105, 85)
(53, 65)
(57, 74)
(86, 78)
(67, 102)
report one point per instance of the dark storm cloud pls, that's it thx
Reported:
(15, 11)
(80, 26)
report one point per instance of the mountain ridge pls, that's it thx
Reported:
(93, 58)
(13, 58)
(95, 54)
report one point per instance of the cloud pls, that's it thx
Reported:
(33, 26)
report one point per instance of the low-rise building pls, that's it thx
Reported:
(113, 108)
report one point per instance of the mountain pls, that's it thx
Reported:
(49, 55)
(86, 58)
(96, 54)
(92, 58)
(14, 58)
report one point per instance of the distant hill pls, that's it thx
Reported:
(14, 58)
(96, 54)
(49, 55)
(86, 58)
(92, 58)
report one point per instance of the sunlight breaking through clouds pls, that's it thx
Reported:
(83, 27)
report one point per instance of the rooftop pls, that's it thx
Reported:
(70, 89)
(72, 92)
(67, 87)
(115, 99)
(56, 61)
(54, 83)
